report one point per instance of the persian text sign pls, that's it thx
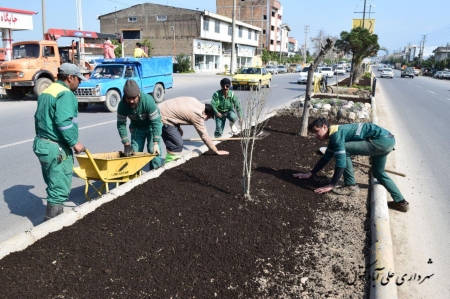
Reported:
(15, 20)
(369, 24)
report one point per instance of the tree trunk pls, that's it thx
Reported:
(304, 126)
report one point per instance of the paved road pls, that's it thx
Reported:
(22, 203)
(416, 111)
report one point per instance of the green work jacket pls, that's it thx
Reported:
(146, 116)
(222, 104)
(56, 116)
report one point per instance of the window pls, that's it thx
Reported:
(273, 14)
(217, 26)
(49, 51)
(230, 30)
(264, 31)
(240, 31)
(272, 28)
(265, 17)
(256, 35)
(161, 18)
(271, 41)
(206, 25)
(131, 34)
(249, 34)
(132, 19)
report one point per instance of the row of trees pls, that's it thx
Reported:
(430, 62)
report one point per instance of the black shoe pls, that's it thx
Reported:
(401, 206)
(346, 190)
(53, 211)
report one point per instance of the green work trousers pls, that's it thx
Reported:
(377, 149)
(138, 138)
(57, 174)
(220, 122)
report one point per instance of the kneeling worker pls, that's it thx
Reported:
(184, 111)
(145, 122)
(363, 139)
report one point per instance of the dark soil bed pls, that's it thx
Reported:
(191, 234)
(362, 82)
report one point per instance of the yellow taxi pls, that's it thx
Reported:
(252, 77)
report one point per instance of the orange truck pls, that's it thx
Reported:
(34, 64)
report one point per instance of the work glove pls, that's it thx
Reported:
(128, 151)
(156, 149)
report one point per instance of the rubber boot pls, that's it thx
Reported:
(233, 127)
(171, 157)
(53, 211)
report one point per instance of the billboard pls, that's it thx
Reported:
(369, 24)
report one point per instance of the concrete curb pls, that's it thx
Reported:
(382, 256)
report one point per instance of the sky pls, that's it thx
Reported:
(397, 22)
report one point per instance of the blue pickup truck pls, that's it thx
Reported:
(105, 84)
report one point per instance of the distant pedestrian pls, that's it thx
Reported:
(108, 49)
(363, 139)
(226, 106)
(184, 111)
(56, 126)
(138, 52)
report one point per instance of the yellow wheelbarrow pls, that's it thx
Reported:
(109, 168)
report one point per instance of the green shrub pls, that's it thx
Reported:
(184, 63)
(367, 75)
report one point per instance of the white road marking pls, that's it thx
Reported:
(431, 92)
(82, 128)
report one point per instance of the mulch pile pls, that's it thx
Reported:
(191, 234)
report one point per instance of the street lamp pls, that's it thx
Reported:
(173, 29)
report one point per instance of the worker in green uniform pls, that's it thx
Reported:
(363, 139)
(226, 106)
(145, 122)
(56, 126)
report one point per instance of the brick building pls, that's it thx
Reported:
(202, 35)
(266, 14)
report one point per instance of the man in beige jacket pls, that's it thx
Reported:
(184, 111)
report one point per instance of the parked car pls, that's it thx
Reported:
(416, 72)
(340, 70)
(298, 68)
(407, 72)
(438, 75)
(272, 69)
(445, 75)
(327, 71)
(303, 76)
(387, 73)
(348, 69)
(252, 77)
(282, 69)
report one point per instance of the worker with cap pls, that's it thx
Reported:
(138, 52)
(226, 106)
(56, 126)
(364, 139)
(145, 122)
(184, 111)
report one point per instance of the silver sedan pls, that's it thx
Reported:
(387, 72)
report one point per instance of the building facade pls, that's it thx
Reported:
(203, 36)
(441, 53)
(266, 14)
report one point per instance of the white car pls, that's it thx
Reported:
(271, 69)
(387, 72)
(303, 76)
(328, 71)
(340, 70)
(282, 69)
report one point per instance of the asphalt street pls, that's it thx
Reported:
(416, 111)
(22, 201)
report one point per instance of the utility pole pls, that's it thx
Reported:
(233, 45)
(80, 27)
(173, 29)
(306, 40)
(364, 15)
(43, 17)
